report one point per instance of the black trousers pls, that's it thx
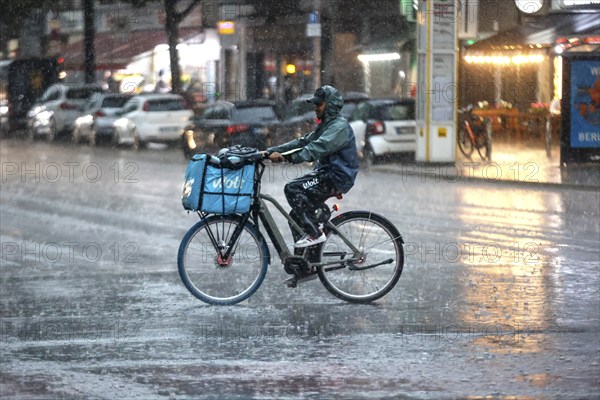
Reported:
(306, 195)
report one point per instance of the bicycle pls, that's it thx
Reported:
(472, 134)
(223, 259)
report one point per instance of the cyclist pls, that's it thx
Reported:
(333, 148)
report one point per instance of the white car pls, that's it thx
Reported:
(152, 118)
(3, 116)
(58, 108)
(99, 116)
(383, 127)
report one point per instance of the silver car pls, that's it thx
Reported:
(152, 118)
(58, 108)
(98, 118)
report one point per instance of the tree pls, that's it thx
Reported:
(89, 61)
(173, 19)
(14, 14)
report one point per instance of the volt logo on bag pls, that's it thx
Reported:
(234, 183)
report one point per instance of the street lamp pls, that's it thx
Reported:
(529, 6)
(364, 58)
(367, 59)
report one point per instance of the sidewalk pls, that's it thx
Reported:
(510, 164)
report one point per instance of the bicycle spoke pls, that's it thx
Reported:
(374, 271)
(216, 279)
(361, 241)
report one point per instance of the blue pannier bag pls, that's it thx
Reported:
(212, 188)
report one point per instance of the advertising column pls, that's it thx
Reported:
(580, 141)
(437, 70)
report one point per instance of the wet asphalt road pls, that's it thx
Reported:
(499, 296)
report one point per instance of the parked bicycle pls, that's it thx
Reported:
(223, 258)
(472, 134)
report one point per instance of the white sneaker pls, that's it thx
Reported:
(307, 240)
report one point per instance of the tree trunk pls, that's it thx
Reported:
(172, 30)
(89, 36)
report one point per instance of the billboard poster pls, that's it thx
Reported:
(585, 104)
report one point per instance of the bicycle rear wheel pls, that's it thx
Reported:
(483, 147)
(210, 277)
(374, 271)
(464, 142)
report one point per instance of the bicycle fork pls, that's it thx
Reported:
(225, 250)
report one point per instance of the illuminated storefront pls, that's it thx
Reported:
(516, 75)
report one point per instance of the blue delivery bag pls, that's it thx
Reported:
(211, 188)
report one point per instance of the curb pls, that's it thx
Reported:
(440, 173)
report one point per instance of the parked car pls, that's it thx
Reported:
(99, 116)
(3, 116)
(156, 117)
(351, 100)
(298, 117)
(383, 127)
(23, 81)
(58, 108)
(248, 123)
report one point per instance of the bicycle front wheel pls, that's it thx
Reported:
(370, 273)
(483, 147)
(464, 142)
(215, 279)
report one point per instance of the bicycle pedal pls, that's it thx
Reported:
(291, 282)
(295, 280)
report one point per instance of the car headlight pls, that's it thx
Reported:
(120, 123)
(43, 117)
(85, 119)
(189, 136)
(35, 110)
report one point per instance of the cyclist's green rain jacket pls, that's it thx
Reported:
(331, 145)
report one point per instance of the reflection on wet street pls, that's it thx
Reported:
(499, 296)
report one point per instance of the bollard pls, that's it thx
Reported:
(548, 136)
(488, 133)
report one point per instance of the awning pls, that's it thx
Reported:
(114, 51)
(541, 31)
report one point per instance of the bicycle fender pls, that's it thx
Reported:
(370, 214)
(262, 238)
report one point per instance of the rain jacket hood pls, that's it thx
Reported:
(334, 101)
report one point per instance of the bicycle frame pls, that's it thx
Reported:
(262, 212)
(470, 131)
(274, 232)
(474, 133)
(464, 117)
